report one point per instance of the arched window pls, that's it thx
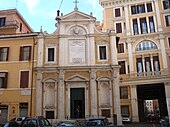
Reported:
(146, 46)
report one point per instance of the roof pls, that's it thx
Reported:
(15, 11)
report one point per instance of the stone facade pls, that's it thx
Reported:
(83, 70)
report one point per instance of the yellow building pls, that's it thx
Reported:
(143, 53)
(17, 60)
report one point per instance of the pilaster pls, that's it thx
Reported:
(93, 93)
(40, 50)
(167, 89)
(158, 15)
(130, 55)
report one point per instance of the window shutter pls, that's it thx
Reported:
(6, 80)
(7, 54)
(21, 54)
(119, 28)
(30, 52)
(24, 79)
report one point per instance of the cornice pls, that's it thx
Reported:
(112, 3)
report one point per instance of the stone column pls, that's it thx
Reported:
(163, 52)
(167, 89)
(143, 65)
(127, 20)
(134, 103)
(152, 66)
(130, 55)
(116, 94)
(61, 96)
(158, 15)
(39, 95)
(93, 93)
(139, 29)
(113, 48)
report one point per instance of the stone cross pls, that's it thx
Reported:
(76, 2)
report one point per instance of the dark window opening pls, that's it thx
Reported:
(135, 27)
(4, 51)
(49, 114)
(166, 4)
(151, 25)
(123, 92)
(167, 20)
(117, 12)
(25, 53)
(122, 68)
(120, 48)
(118, 27)
(2, 21)
(102, 50)
(3, 79)
(149, 7)
(24, 79)
(50, 54)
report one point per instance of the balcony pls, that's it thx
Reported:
(9, 27)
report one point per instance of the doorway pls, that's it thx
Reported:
(155, 95)
(77, 105)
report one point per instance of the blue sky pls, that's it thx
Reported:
(43, 12)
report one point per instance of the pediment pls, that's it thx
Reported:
(77, 79)
(77, 15)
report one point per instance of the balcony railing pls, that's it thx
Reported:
(10, 24)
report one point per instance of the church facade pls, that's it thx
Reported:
(77, 70)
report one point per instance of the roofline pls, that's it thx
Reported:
(19, 35)
(14, 10)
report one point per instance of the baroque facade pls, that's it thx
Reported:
(143, 53)
(77, 67)
(17, 60)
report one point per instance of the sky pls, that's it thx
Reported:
(39, 13)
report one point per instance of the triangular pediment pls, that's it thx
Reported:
(77, 15)
(77, 79)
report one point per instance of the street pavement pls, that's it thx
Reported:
(142, 125)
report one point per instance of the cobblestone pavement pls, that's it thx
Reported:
(143, 125)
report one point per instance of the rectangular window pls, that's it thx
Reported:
(125, 109)
(156, 64)
(25, 53)
(149, 7)
(135, 27)
(117, 12)
(169, 41)
(4, 53)
(143, 26)
(20, 28)
(23, 109)
(167, 20)
(3, 79)
(24, 79)
(120, 48)
(50, 54)
(134, 10)
(166, 4)
(49, 114)
(2, 21)
(122, 68)
(141, 8)
(106, 113)
(123, 92)
(102, 52)
(151, 25)
(139, 65)
(118, 27)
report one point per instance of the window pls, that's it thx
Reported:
(25, 53)
(118, 27)
(137, 9)
(106, 113)
(148, 65)
(146, 46)
(23, 109)
(151, 25)
(2, 21)
(125, 109)
(122, 68)
(24, 79)
(135, 26)
(117, 12)
(169, 41)
(167, 20)
(123, 92)
(141, 8)
(143, 26)
(3, 79)
(139, 65)
(49, 114)
(50, 54)
(166, 4)
(134, 9)
(20, 28)
(156, 64)
(102, 52)
(149, 7)
(120, 48)
(4, 53)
